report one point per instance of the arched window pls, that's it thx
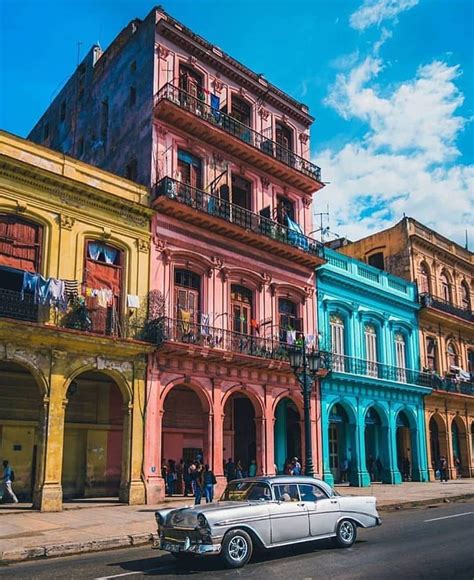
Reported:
(370, 335)
(289, 323)
(187, 291)
(424, 277)
(431, 354)
(336, 324)
(465, 297)
(445, 287)
(400, 356)
(453, 357)
(241, 299)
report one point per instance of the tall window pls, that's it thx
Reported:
(284, 139)
(189, 169)
(400, 356)
(241, 198)
(445, 287)
(241, 111)
(285, 208)
(470, 362)
(465, 297)
(453, 357)
(371, 349)
(431, 354)
(289, 323)
(187, 297)
(241, 299)
(425, 286)
(20, 243)
(190, 81)
(336, 324)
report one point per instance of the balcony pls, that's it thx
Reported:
(376, 370)
(430, 301)
(222, 131)
(98, 322)
(220, 216)
(451, 385)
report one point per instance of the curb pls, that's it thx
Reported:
(141, 539)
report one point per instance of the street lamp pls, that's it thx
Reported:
(305, 366)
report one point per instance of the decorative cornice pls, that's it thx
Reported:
(143, 245)
(66, 221)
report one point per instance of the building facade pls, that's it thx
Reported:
(372, 400)
(444, 274)
(226, 154)
(74, 271)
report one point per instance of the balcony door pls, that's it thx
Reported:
(242, 202)
(241, 300)
(189, 176)
(284, 139)
(190, 81)
(187, 299)
(289, 323)
(371, 350)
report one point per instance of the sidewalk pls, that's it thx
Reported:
(85, 527)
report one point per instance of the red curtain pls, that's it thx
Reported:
(20, 243)
(99, 275)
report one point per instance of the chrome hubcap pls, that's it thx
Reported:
(238, 548)
(346, 531)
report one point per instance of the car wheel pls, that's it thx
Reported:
(346, 534)
(237, 548)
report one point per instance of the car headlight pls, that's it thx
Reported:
(202, 521)
(160, 520)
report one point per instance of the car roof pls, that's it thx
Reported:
(287, 479)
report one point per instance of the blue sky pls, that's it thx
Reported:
(390, 83)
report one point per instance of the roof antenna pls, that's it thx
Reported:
(467, 241)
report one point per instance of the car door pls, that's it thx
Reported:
(323, 511)
(288, 515)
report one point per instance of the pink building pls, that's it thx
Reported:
(227, 157)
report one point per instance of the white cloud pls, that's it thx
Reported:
(374, 12)
(405, 162)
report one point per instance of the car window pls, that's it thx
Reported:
(310, 492)
(246, 491)
(286, 492)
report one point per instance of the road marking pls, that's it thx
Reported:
(447, 517)
(161, 569)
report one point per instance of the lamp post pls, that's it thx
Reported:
(305, 366)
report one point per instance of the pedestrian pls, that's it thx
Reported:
(198, 483)
(406, 469)
(171, 477)
(8, 495)
(209, 481)
(344, 469)
(296, 466)
(289, 468)
(164, 474)
(229, 470)
(188, 489)
(253, 468)
(371, 467)
(179, 488)
(379, 468)
(457, 465)
(239, 470)
(443, 469)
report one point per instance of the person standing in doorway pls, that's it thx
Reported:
(296, 466)
(253, 468)
(457, 465)
(198, 483)
(171, 477)
(229, 470)
(239, 470)
(7, 480)
(209, 481)
(344, 469)
(443, 469)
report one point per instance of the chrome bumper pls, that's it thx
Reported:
(187, 547)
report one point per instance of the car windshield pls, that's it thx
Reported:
(246, 491)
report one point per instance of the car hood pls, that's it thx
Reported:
(187, 516)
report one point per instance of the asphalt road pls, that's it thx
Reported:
(432, 543)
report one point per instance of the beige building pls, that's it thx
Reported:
(444, 273)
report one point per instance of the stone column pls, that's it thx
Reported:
(392, 473)
(418, 443)
(359, 475)
(327, 473)
(48, 497)
(217, 464)
(154, 484)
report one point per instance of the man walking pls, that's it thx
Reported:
(7, 479)
(443, 469)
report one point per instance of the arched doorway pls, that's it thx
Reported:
(240, 433)
(185, 426)
(93, 437)
(437, 433)
(287, 433)
(376, 455)
(459, 446)
(20, 414)
(404, 446)
(339, 442)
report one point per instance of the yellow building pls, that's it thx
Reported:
(74, 276)
(444, 272)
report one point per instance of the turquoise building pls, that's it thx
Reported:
(372, 408)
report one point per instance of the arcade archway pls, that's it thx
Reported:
(287, 433)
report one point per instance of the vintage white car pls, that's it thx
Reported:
(264, 512)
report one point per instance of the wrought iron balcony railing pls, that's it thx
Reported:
(450, 385)
(166, 329)
(17, 306)
(232, 213)
(356, 366)
(430, 301)
(227, 123)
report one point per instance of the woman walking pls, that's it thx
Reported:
(209, 481)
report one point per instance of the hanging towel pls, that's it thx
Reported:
(30, 282)
(185, 320)
(205, 324)
(133, 301)
(311, 341)
(55, 294)
(296, 235)
(71, 289)
(104, 297)
(290, 336)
